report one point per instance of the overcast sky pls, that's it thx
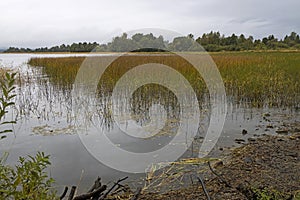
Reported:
(35, 23)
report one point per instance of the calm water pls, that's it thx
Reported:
(47, 123)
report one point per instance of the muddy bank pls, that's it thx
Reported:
(267, 167)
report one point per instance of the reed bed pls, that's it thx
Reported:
(61, 71)
(257, 78)
(261, 79)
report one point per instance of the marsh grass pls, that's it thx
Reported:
(61, 71)
(260, 79)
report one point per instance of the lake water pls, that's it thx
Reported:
(46, 123)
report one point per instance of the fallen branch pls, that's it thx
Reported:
(203, 187)
(91, 194)
(96, 185)
(64, 193)
(117, 183)
(117, 190)
(72, 193)
(240, 188)
(219, 176)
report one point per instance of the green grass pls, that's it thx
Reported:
(61, 71)
(256, 78)
(261, 78)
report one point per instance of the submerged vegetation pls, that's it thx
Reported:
(259, 79)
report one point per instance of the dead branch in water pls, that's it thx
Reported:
(72, 193)
(117, 183)
(64, 193)
(96, 191)
(91, 194)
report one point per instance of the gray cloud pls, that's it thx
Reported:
(37, 23)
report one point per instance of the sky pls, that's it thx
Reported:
(36, 23)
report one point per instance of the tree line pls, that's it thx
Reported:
(211, 42)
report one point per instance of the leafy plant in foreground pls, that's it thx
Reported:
(7, 88)
(28, 180)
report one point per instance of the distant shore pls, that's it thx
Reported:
(105, 52)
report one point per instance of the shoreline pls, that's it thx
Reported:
(268, 166)
(189, 52)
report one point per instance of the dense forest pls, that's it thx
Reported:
(212, 41)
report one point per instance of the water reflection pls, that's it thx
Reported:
(151, 106)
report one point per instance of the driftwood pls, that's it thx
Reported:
(91, 194)
(117, 183)
(222, 180)
(203, 187)
(118, 189)
(64, 193)
(72, 193)
(96, 185)
(95, 192)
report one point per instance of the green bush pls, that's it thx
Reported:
(28, 180)
(7, 88)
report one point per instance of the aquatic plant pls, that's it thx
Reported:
(257, 79)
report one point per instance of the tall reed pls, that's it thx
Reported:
(256, 78)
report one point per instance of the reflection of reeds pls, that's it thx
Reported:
(147, 95)
(261, 79)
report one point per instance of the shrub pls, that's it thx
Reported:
(28, 180)
(7, 88)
